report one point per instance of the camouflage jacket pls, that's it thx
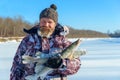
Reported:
(32, 44)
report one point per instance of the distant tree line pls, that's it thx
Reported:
(74, 33)
(10, 27)
(116, 34)
(13, 27)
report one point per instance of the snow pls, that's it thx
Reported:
(102, 61)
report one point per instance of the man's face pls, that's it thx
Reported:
(47, 27)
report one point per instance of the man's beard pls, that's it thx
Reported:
(45, 32)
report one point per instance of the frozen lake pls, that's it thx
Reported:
(102, 61)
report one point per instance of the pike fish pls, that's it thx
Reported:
(41, 70)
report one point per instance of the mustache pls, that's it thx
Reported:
(42, 29)
(45, 31)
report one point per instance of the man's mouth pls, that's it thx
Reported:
(45, 32)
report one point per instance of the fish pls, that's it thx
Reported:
(70, 52)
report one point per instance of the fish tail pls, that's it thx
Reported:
(27, 59)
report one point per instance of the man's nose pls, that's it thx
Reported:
(46, 24)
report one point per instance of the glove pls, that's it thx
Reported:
(54, 62)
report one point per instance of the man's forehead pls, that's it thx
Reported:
(47, 19)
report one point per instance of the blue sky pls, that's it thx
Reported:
(99, 15)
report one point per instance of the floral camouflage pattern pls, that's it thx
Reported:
(32, 44)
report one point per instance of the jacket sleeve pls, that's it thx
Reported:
(17, 70)
(72, 66)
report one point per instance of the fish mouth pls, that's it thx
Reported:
(78, 41)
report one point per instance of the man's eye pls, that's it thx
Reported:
(50, 22)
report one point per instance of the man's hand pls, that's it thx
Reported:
(54, 62)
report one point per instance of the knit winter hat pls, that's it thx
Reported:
(50, 13)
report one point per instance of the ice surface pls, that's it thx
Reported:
(102, 61)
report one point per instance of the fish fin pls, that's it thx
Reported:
(38, 53)
(26, 62)
(71, 56)
(28, 59)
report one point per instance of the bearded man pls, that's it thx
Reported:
(46, 39)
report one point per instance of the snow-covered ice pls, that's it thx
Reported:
(102, 61)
